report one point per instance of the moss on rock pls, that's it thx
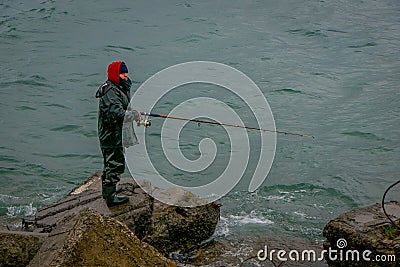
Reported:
(364, 229)
(90, 239)
(18, 248)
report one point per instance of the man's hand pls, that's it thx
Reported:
(132, 115)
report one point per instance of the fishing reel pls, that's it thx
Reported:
(144, 121)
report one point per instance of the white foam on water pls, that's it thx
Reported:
(248, 219)
(300, 191)
(301, 214)
(27, 210)
(274, 197)
(4, 197)
(223, 227)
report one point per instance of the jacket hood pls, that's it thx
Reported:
(103, 89)
(113, 71)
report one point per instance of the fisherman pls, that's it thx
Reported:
(114, 97)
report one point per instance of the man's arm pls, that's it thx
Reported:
(115, 107)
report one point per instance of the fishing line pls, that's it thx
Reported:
(383, 204)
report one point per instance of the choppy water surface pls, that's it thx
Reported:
(327, 68)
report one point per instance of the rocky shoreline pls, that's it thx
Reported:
(80, 230)
(365, 236)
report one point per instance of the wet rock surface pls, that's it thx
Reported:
(90, 239)
(81, 230)
(244, 253)
(167, 228)
(366, 229)
(18, 248)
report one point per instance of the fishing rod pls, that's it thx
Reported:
(146, 122)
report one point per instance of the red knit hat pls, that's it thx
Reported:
(113, 71)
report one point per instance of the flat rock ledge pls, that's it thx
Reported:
(80, 230)
(363, 230)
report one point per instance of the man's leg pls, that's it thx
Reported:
(114, 165)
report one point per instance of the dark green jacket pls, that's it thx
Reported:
(113, 102)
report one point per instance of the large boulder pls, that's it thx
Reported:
(18, 248)
(363, 230)
(175, 228)
(167, 228)
(90, 239)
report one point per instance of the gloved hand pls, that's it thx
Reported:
(132, 115)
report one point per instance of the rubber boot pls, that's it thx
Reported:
(118, 189)
(109, 191)
(103, 177)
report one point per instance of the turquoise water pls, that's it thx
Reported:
(327, 68)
